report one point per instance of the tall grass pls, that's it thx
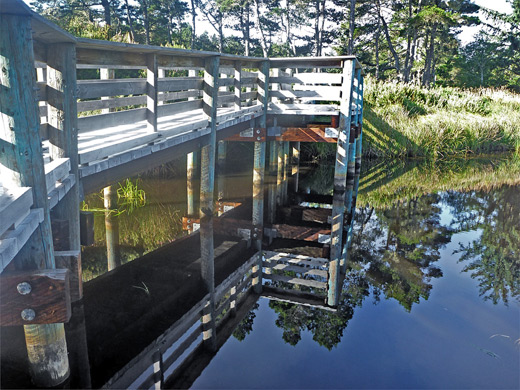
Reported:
(403, 120)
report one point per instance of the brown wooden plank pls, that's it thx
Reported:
(48, 295)
(71, 260)
(299, 232)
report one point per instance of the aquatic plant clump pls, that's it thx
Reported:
(402, 120)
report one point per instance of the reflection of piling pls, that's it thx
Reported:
(273, 166)
(296, 165)
(221, 166)
(78, 351)
(112, 228)
(279, 175)
(285, 172)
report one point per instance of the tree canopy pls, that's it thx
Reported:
(414, 41)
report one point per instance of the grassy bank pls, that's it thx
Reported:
(409, 121)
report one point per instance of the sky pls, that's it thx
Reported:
(503, 6)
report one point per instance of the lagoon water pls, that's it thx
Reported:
(431, 298)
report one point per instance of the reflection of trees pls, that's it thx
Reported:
(246, 325)
(494, 258)
(326, 327)
(398, 249)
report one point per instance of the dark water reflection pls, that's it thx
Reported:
(431, 297)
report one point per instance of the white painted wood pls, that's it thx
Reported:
(61, 189)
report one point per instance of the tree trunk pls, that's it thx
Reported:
(129, 19)
(378, 33)
(352, 21)
(389, 40)
(106, 7)
(263, 40)
(193, 17)
(406, 70)
(430, 53)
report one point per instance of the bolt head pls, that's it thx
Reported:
(24, 288)
(28, 315)
(258, 138)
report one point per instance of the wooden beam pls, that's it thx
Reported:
(318, 234)
(35, 297)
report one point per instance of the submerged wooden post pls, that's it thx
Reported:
(21, 163)
(273, 160)
(258, 174)
(190, 178)
(111, 228)
(296, 165)
(340, 176)
(207, 185)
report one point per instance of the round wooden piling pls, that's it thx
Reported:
(111, 228)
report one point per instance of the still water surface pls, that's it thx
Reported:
(431, 298)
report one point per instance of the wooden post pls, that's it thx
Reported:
(273, 159)
(258, 175)
(22, 166)
(340, 176)
(111, 228)
(190, 178)
(296, 165)
(238, 85)
(151, 91)
(207, 185)
(192, 73)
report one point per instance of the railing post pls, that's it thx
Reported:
(151, 91)
(207, 185)
(238, 85)
(22, 166)
(340, 173)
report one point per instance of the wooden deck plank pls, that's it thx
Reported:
(298, 281)
(14, 203)
(13, 240)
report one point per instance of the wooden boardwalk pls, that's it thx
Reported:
(78, 115)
